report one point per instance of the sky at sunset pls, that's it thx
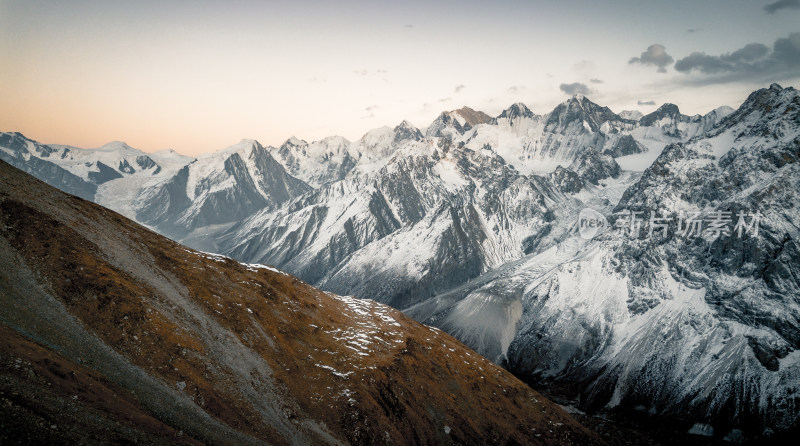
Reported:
(198, 76)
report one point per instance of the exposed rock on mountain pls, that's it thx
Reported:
(516, 111)
(581, 110)
(472, 117)
(405, 131)
(217, 189)
(566, 180)
(105, 173)
(625, 145)
(593, 167)
(672, 124)
(667, 111)
(453, 123)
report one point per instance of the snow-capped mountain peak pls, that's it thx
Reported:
(293, 141)
(116, 146)
(579, 109)
(243, 146)
(516, 110)
(764, 106)
(455, 122)
(665, 111)
(330, 145)
(407, 131)
(470, 117)
(632, 115)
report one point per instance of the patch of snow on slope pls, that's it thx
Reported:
(365, 332)
(448, 172)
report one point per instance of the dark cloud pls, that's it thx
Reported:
(787, 50)
(596, 81)
(753, 61)
(703, 63)
(516, 88)
(574, 88)
(460, 87)
(782, 4)
(749, 53)
(646, 102)
(656, 54)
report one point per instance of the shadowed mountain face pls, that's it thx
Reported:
(110, 333)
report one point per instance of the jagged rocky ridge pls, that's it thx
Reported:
(217, 189)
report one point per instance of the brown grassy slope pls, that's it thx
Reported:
(46, 399)
(229, 353)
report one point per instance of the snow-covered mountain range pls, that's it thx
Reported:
(697, 322)
(470, 225)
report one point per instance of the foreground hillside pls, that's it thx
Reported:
(112, 333)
